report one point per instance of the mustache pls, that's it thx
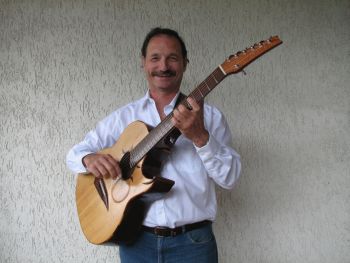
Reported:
(166, 73)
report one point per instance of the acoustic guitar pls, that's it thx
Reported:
(112, 211)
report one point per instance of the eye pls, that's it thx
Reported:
(154, 58)
(173, 58)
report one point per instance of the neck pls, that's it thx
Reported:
(162, 99)
(163, 96)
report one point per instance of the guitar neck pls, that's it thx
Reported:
(204, 88)
(166, 126)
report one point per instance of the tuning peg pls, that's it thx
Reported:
(232, 56)
(256, 45)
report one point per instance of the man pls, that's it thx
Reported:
(200, 158)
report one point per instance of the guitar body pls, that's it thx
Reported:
(112, 211)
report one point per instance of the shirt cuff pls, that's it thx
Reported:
(209, 150)
(77, 166)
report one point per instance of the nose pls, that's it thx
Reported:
(163, 64)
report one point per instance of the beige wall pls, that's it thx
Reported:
(66, 64)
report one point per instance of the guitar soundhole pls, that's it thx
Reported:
(120, 190)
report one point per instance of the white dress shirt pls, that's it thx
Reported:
(194, 170)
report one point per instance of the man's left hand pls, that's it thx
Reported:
(191, 122)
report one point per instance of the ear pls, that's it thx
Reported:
(186, 61)
(143, 61)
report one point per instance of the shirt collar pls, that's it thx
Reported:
(171, 105)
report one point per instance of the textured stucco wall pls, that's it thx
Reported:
(66, 64)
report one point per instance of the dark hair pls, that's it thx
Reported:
(163, 31)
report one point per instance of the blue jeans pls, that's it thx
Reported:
(198, 245)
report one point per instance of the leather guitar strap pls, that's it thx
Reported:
(179, 99)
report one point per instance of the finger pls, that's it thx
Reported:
(181, 109)
(102, 168)
(182, 114)
(108, 167)
(179, 114)
(115, 166)
(175, 122)
(193, 103)
(95, 172)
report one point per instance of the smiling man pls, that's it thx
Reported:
(177, 227)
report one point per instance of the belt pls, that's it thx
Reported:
(166, 231)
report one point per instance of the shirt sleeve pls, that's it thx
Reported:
(104, 135)
(220, 160)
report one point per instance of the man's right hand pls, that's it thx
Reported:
(102, 165)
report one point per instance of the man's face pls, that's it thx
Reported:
(164, 64)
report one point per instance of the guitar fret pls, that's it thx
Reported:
(197, 95)
(213, 81)
(210, 82)
(207, 86)
(216, 81)
(201, 93)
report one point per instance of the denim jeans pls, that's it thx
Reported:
(198, 245)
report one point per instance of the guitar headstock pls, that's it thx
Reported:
(241, 59)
